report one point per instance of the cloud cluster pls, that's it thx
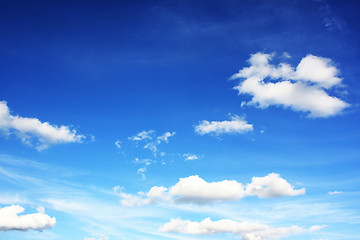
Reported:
(33, 131)
(304, 89)
(194, 189)
(247, 230)
(11, 220)
(236, 125)
(152, 142)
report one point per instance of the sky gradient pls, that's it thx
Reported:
(133, 120)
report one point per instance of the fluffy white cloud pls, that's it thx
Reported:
(236, 125)
(32, 130)
(271, 185)
(247, 230)
(11, 220)
(304, 89)
(196, 190)
(155, 194)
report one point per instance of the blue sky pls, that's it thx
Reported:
(179, 120)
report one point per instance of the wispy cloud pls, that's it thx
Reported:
(34, 132)
(142, 136)
(118, 144)
(165, 136)
(304, 89)
(247, 230)
(334, 192)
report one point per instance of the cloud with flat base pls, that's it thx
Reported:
(32, 131)
(196, 190)
(11, 220)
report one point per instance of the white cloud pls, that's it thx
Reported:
(10, 220)
(155, 194)
(141, 171)
(271, 185)
(304, 89)
(317, 70)
(197, 190)
(142, 135)
(165, 136)
(152, 146)
(236, 125)
(190, 156)
(334, 192)
(118, 144)
(152, 142)
(194, 189)
(32, 130)
(145, 161)
(100, 237)
(247, 230)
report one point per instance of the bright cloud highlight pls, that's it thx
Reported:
(32, 130)
(236, 125)
(302, 89)
(11, 220)
(190, 157)
(194, 189)
(247, 230)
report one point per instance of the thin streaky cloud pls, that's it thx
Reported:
(247, 230)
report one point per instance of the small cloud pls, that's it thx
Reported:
(165, 136)
(190, 156)
(97, 237)
(236, 125)
(334, 192)
(142, 135)
(286, 55)
(145, 161)
(40, 209)
(118, 144)
(141, 171)
(152, 146)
